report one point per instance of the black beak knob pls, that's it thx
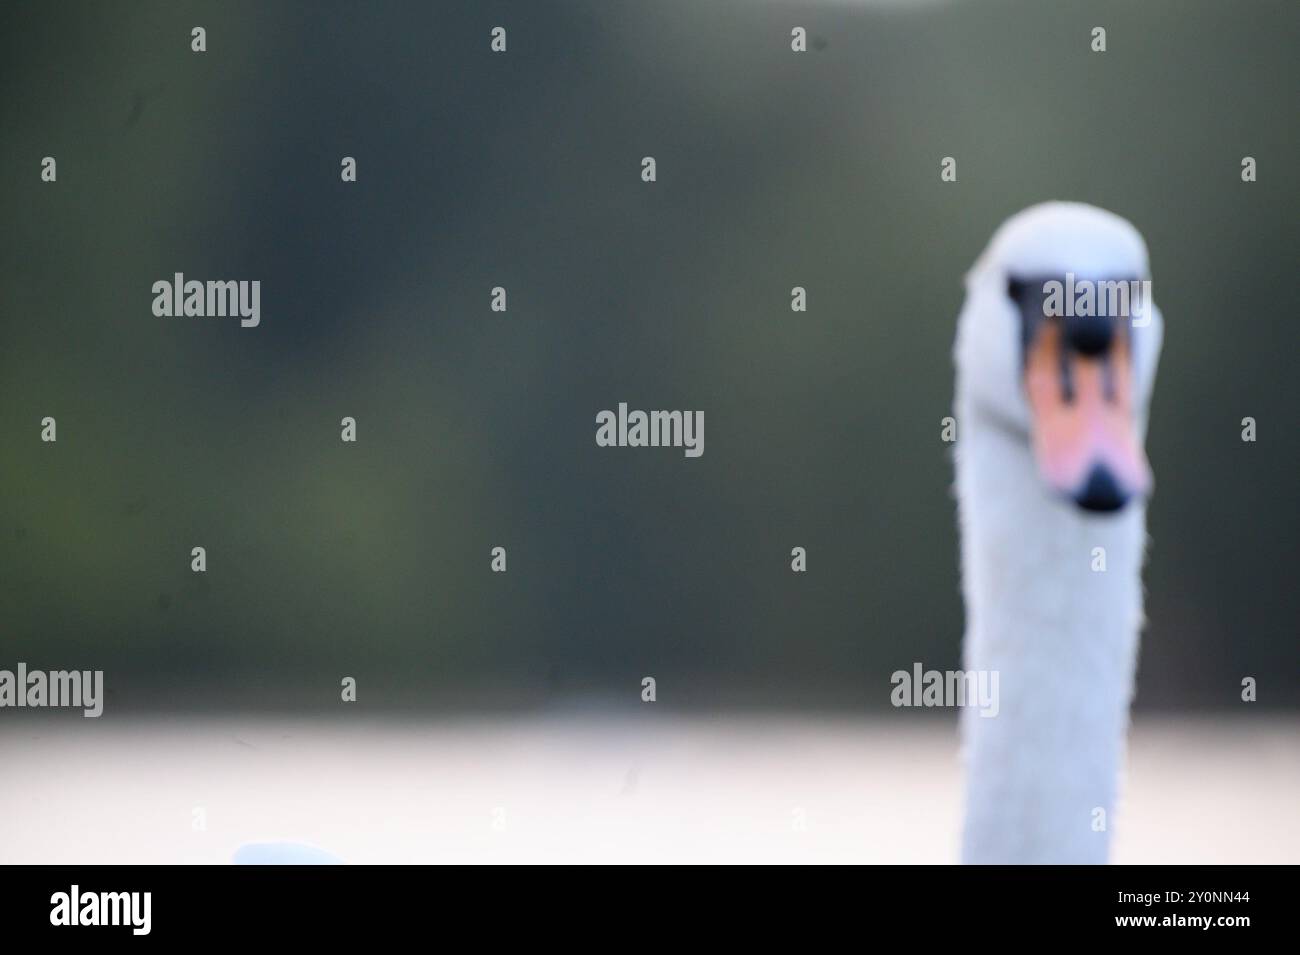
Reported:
(1091, 334)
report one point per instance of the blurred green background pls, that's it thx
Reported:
(477, 429)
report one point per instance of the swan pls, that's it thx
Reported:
(1051, 482)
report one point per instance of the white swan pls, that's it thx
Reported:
(1051, 419)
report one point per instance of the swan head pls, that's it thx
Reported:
(1057, 346)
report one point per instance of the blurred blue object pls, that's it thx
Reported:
(283, 853)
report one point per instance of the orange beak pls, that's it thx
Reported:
(1084, 432)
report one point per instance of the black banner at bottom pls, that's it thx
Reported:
(95, 904)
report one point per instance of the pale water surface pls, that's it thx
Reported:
(589, 788)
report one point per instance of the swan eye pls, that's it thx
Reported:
(1016, 289)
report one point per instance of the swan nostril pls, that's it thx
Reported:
(1101, 492)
